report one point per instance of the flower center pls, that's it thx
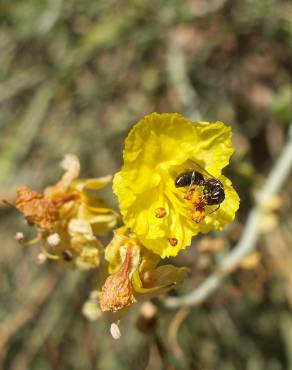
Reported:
(196, 205)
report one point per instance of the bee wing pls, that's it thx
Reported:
(200, 169)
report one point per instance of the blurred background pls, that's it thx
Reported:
(74, 76)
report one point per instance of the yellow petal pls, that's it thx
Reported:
(101, 220)
(83, 244)
(116, 251)
(159, 280)
(93, 184)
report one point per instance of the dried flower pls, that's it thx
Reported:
(117, 291)
(36, 208)
(68, 215)
(134, 273)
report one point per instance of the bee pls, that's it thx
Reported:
(213, 190)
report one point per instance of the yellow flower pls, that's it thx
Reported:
(68, 215)
(134, 274)
(158, 149)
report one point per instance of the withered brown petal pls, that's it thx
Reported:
(36, 208)
(117, 291)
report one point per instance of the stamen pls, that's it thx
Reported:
(41, 258)
(49, 255)
(198, 203)
(115, 331)
(197, 215)
(67, 255)
(160, 212)
(172, 241)
(19, 236)
(53, 240)
(31, 242)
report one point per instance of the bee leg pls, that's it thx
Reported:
(193, 179)
(214, 210)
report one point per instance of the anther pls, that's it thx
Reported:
(172, 241)
(19, 236)
(41, 258)
(160, 212)
(53, 240)
(115, 331)
(67, 255)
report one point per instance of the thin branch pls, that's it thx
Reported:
(178, 77)
(249, 238)
(12, 324)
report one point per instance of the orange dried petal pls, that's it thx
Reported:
(36, 208)
(117, 291)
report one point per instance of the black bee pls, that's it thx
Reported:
(212, 188)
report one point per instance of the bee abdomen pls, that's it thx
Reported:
(189, 178)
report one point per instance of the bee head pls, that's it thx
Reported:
(214, 191)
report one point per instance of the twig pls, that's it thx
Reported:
(174, 326)
(27, 129)
(17, 319)
(285, 324)
(53, 317)
(247, 243)
(178, 76)
(20, 82)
